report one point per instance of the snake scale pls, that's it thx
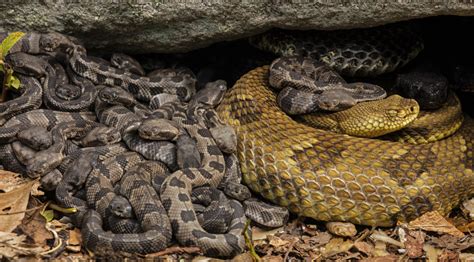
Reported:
(335, 177)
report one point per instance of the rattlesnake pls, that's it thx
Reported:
(334, 177)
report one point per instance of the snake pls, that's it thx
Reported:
(335, 177)
(180, 83)
(307, 86)
(356, 52)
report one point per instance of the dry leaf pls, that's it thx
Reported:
(466, 257)
(14, 199)
(10, 180)
(277, 242)
(75, 237)
(322, 238)
(342, 229)
(433, 221)
(34, 227)
(387, 258)
(468, 207)
(432, 253)
(245, 257)
(272, 259)
(469, 227)
(336, 246)
(447, 256)
(414, 243)
(259, 234)
(12, 246)
(364, 247)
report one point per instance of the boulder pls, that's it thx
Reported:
(168, 26)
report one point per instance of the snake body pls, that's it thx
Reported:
(308, 86)
(356, 52)
(335, 177)
(143, 88)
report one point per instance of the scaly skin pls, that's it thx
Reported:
(334, 177)
(367, 119)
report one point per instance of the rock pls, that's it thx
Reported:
(176, 26)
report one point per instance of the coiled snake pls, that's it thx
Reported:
(335, 177)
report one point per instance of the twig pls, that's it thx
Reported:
(3, 98)
(21, 211)
(56, 239)
(290, 248)
(248, 242)
(174, 250)
(365, 234)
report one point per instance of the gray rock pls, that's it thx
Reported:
(180, 25)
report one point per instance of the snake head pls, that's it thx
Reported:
(401, 109)
(108, 95)
(43, 163)
(51, 42)
(121, 207)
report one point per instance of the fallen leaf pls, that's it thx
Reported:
(364, 247)
(12, 246)
(272, 259)
(466, 257)
(387, 258)
(447, 256)
(342, 229)
(468, 207)
(48, 215)
(336, 246)
(433, 221)
(34, 227)
(414, 243)
(466, 228)
(13, 199)
(10, 180)
(277, 242)
(322, 238)
(75, 237)
(380, 239)
(432, 253)
(453, 243)
(259, 233)
(245, 257)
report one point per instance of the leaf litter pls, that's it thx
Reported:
(431, 237)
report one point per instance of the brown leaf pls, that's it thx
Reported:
(469, 227)
(75, 237)
(432, 253)
(447, 256)
(322, 238)
(433, 221)
(12, 246)
(259, 233)
(387, 258)
(336, 246)
(414, 243)
(468, 207)
(35, 228)
(272, 259)
(364, 247)
(14, 200)
(277, 242)
(466, 257)
(245, 257)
